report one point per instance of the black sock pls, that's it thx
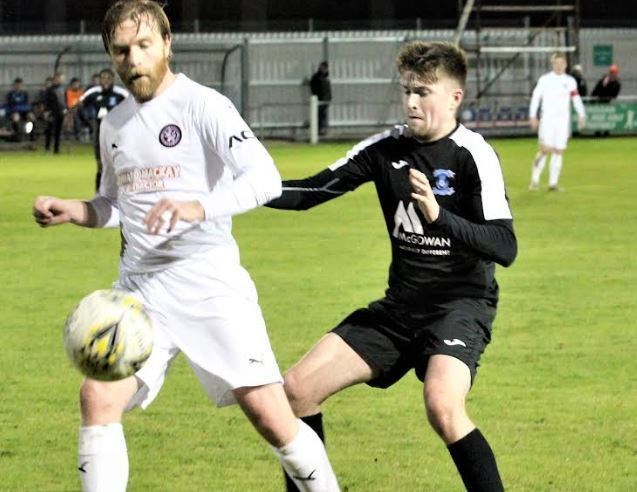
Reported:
(316, 424)
(476, 463)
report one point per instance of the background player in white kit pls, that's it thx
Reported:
(178, 163)
(554, 92)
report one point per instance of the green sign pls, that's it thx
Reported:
(602, 55)
(611, 117)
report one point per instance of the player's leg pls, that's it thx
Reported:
(102, 455)
(330, 366)
(545, 137)
(560, 140)
(559, 146)
(539, 162)
(455, 337)
(555, 170)
(446, 386)
(298, 448)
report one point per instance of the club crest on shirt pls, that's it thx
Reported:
(442, 179)
(170, 135)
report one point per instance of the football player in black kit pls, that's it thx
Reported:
(442, 194)
(99, 100)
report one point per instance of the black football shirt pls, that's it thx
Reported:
(453, 257)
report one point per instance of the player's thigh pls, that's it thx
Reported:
(330, 366)
(560, 140)
(460, 329)
(447, 381)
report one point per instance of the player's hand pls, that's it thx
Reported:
(424, 195)
(581, 122)
(534, 122)
(166, 212)
(50, 211)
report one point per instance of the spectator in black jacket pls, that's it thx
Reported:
(321, 87)
(55, 105)
(578, 75)
(608, 86)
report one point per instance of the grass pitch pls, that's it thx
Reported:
(556, 394)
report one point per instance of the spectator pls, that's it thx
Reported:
(38, 108)
(95, 81)
(55, 106)
(48, 82)
(578, 75)
(74, 119)
(321, 87)
(18, 107)
(608, 86)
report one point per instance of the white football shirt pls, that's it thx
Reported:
(555, 92)
(188, 143)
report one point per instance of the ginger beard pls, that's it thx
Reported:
(143, 77)
(142, 83)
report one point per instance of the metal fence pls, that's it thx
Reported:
(267, 75)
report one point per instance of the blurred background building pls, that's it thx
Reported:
(72, 16)
(261, 53)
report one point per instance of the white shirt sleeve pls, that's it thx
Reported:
(256, 180)
(105, 202)
(538, 92)
(579, 106)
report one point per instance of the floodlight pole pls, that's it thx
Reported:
(462, 23)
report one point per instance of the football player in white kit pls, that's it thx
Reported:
(179, 161)
(554, 92)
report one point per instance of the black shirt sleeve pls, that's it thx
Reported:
(494, 240)
(345, 175)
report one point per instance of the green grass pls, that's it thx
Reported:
(556, 393)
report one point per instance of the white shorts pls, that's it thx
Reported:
(208, 309)
(554, 132)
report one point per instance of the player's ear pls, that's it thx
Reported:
(168, 41)
(457, 96)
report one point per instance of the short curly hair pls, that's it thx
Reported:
(429, 60)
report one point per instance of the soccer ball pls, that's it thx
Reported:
(108, 335)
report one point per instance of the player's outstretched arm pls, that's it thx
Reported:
(50, 211)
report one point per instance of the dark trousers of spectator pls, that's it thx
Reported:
(322, 117)
(53, 131)
(95, 126)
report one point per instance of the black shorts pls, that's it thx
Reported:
(393, 339)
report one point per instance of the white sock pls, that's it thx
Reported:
(306, 463)
(555, 169)
(103, 458)
(538, 167)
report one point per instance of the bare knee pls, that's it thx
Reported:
(105, 402)
(447, 416)
(298, 395)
